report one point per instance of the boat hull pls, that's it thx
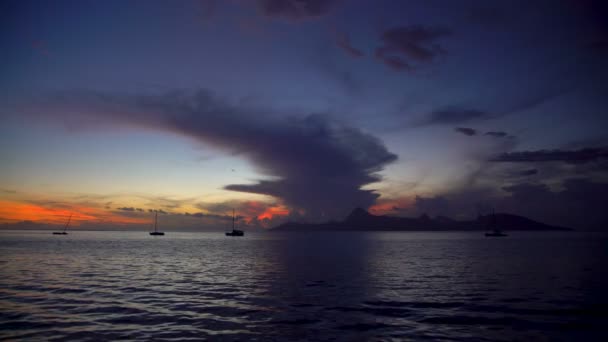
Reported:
(157, 233)
(235, 233)
(495, 234)
(60, 233)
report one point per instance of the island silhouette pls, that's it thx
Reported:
(361, 220)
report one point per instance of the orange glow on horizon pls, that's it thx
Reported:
(271, 212)
(262, 210)
(390, 206)
(11, 212)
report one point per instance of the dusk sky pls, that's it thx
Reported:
(301, 110)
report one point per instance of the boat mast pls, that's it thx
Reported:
(155, 220)
(67, 224)
(233, 219)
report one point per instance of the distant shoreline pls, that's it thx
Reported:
(361, 220)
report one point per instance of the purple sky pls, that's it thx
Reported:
(314, 107)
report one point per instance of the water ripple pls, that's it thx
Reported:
(101, 286)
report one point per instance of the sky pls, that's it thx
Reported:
(301, 110)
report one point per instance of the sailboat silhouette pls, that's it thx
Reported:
(156, 232)
(234, 232)
(64, 232)
(495, 231)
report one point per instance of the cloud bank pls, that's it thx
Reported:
(584, 199)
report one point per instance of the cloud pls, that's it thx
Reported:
(470, 132)
(574, 157)
(507, 102)
(406, 48)
(311, 163)
(466, 131)
(160, 211)
(343, 42)
(131, 209)
(45, 211)
(496, 134)
(455, 115)
(584, 198)
(529, 172)
(211, 216)
(295, 10)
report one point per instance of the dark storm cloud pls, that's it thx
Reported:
(343, 42)
(576, 156)
(295, 9)
(496, 134)
(466, 131)
(315, 163)
(408, 47)
(322, 167)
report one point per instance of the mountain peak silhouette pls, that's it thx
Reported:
(357, 214)
(361, 219)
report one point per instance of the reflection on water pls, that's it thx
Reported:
(302, 286)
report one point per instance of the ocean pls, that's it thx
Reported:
(326, 286)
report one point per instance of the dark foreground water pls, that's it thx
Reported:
(103, 286)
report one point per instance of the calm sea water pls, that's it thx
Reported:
(303, 286)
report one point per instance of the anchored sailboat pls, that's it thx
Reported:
(234, 232)
(156, 232)
(494, 231)
(64, 232)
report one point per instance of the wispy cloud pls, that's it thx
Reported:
(466, 131)
(406, 48)
(529, 172)
(574, 156)
(295, 10)
(496, 134)
(343, 42)
(455, 115)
